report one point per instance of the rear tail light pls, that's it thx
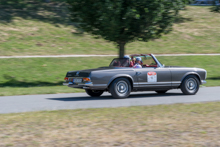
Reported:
(86, 79)
(66, 78)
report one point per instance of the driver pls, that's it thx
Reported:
(131, 64)
(138, 62)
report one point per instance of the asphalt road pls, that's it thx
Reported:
(14, 104)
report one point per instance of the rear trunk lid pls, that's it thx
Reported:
(85, 73)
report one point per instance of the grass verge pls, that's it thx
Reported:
(44, 32)
(163, 125)
(45, 75)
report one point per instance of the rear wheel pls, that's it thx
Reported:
(190, 85)
(120, 88)
(94, 93)
(161, 91)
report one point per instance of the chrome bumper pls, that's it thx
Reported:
(78, 84)
(88, 85)
(203, 82)
(66, 84)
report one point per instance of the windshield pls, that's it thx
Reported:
(146, 61)
(120, 62)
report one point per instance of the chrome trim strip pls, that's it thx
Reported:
(175, 82)
(147, 84)
(99, 85)
(135, 85)
(153, 83)
(179, 82)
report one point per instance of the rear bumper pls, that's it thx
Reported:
(88, 85)
(203, 82)
(78, 84)
(65, 84)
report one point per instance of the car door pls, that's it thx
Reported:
(153, 77)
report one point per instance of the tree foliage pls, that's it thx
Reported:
(123, 21)
(216, 9)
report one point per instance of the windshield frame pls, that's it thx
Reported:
(158, 62)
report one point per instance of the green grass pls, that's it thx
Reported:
(45, 75)
(49, 32)
(42, 75)
(20, 90)
(164, 125)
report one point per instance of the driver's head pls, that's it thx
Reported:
(127, 57)
(138, 60)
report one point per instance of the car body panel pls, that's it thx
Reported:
(163, 77)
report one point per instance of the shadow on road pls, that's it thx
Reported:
(142, 95)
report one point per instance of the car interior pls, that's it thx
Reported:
(146, 61)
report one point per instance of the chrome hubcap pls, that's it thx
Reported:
(122, 87)
(191, 84)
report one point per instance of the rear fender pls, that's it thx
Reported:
(121, 76)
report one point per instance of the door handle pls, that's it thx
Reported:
(138, 73)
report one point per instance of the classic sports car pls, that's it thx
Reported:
(120, 77)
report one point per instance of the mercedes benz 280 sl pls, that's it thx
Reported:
(121, 77)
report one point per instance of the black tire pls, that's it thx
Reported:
(161, 91)
(120, 88)
(94, 93)
(190, 85)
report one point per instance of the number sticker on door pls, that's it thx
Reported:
(151, 76)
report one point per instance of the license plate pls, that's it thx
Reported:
(77, 80)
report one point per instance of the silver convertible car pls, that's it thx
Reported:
(120, 77)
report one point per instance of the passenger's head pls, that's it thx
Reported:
(138, 60)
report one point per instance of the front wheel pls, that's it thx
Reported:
(94, 93)
(190, 85)
(120, 88)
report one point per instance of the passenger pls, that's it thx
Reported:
(131, 64)
(138, 62)
(116, 63)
